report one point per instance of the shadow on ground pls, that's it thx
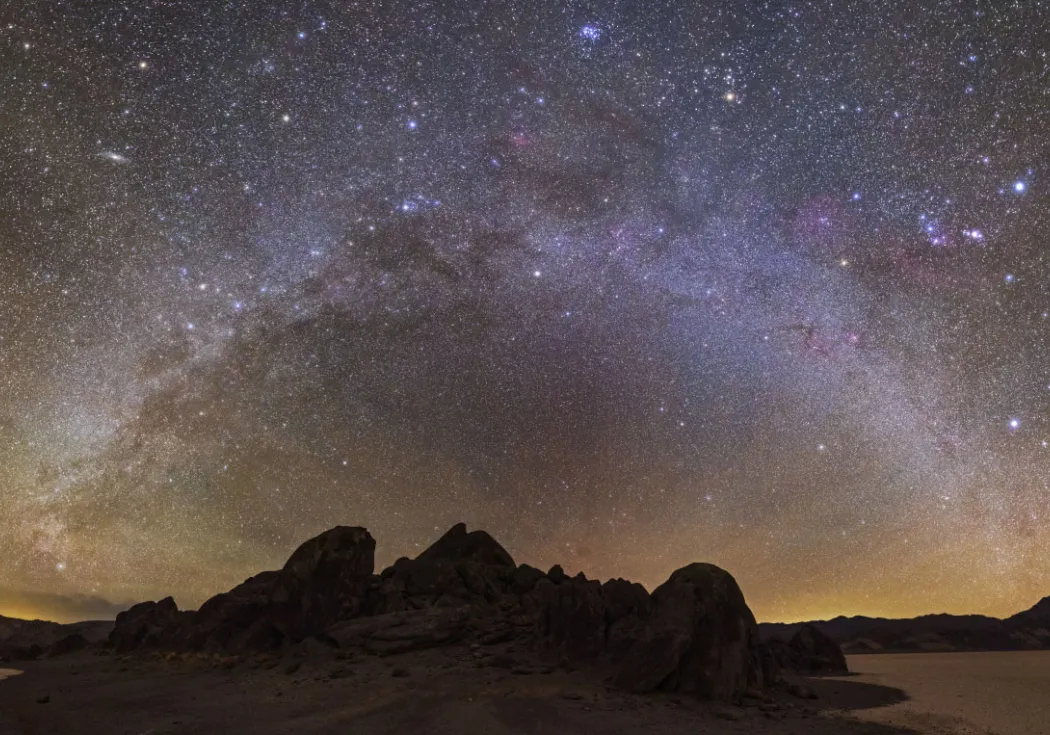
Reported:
(850, 694)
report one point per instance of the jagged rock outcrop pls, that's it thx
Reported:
(585, 619)
(694, 634)
(701, 638)
(571, 617)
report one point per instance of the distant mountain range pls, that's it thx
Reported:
(28, 638)
(1028, 630)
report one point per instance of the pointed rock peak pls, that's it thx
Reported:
(556, 574)
(459, 545)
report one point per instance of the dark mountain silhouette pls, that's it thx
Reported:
(1027, 630)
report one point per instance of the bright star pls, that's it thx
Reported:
(1020, 187)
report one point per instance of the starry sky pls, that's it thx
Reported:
(626, 284)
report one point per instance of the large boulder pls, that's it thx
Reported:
(327, 577)
(814, 652)
(325, 580)
(146, 625)
(700, 638)
(810, 651)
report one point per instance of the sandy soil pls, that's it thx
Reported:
(1004, 693)
(436, 692)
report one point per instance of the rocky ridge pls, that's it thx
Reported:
(694, 634)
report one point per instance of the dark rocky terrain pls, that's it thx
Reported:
(460, 639)
(694, 634)
(1027, 630)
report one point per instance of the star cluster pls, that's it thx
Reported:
(626, 284)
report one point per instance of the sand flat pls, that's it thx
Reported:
(438, 692)
(999, 693)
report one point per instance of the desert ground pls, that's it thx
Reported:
(446, 691)
(1005, 693)
(442, 691)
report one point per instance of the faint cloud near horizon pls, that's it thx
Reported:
(31, 605)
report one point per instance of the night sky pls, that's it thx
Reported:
(626, 284)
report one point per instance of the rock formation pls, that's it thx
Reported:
(146, 625)
(701, 638)
(810, 651)
(694, 634)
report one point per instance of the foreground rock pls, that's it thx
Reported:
(694, 635)
(701, 639)
(146, 625)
